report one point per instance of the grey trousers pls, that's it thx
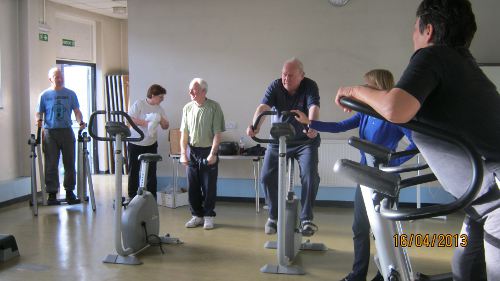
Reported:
(55, 142)
(481, 252)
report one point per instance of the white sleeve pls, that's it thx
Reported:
(134, 110)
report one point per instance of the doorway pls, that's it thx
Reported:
(81, 78)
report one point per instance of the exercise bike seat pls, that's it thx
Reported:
(282, 129)
(150, 157)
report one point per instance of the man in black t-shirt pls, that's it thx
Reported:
(292, 91)
(444, 87)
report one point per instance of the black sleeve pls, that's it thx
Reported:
(421, 76)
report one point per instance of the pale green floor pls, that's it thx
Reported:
(69, 243)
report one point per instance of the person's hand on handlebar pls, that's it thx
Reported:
(83, 125)
(311, 133)
(345, 92)
(301, 117)
(251, 132)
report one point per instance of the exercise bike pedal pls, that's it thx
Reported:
(124, 203)
(309, 246)
(166, 239)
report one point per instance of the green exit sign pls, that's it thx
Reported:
(68, 42)
(43, 37)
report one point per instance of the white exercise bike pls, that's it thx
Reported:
(138, 225)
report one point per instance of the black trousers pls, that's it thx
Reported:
(361, 238)
(202, 182)
(135, 165)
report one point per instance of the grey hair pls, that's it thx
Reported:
(200, 81)
(53, 70)
(297, 62)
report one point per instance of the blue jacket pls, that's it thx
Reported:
(371, 129)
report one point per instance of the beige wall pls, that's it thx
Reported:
(9, 87)
(25, 62)
(239, 47)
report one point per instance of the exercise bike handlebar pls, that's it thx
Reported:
(256, 124)
(469, 150)
(93, 134)
(272, 140)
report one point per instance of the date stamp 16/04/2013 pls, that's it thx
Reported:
(441, 240)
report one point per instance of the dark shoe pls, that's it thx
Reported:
(378, 277)
(351, 277)
(71, 198)
(52, 200)
(308, 228)
(270, 227)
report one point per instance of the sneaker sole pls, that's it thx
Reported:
(193, 226)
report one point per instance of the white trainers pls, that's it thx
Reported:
(194, 222)
(209, 223)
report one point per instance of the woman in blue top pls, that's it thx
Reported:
(376, 131)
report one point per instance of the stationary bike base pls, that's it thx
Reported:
(117, 259)
(280, 269)
(305, 246)
(57, 203)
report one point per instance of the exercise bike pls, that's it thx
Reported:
(289, 237)
(139, 224)
(83, 172)
(380, 188)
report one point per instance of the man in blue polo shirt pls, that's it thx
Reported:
(292, 91)
(54, 113)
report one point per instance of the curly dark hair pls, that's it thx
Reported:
(156, 90)
(453, 21)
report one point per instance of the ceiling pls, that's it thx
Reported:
(113, 8)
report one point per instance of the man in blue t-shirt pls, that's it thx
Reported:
(443, 86)
(292, 92)
(54, 113)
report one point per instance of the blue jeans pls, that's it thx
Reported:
(307, 156)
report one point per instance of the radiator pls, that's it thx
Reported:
(329, 152)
